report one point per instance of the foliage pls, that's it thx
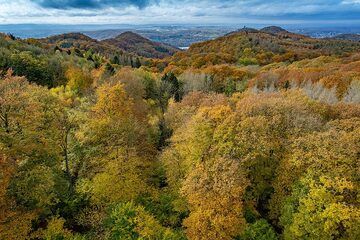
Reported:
(323, 210)
(258, 48)
(260, 230)
(127, 221)
(78, 80)
(254, 135)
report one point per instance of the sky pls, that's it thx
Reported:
(179, 11)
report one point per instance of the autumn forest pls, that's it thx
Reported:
(251, 136)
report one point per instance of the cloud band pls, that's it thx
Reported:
(92, 4)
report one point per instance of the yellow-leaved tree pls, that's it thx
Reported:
(316, 185)
(120, 153)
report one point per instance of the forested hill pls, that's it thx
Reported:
(350, 37)
(48, 61)
(79, 42)
(70, 37)
(273, 30)
(128, 42)
(261, 47)
(134, 43)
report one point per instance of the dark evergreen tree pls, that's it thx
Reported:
(137, 63)
(109, 68)
(175, 87)
(115, 60)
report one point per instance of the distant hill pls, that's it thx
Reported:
(69, 37)
(126, 43)
(273, 30)
(244, 30)
(350, 37)
(280, 32)
(79, 41)
(135, 43)
(85, 46)
(249, 47)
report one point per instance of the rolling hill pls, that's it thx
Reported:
(79, 41)
(262, 47)
(135, 43)
(349, 37)
(128, 43)
(273, 30)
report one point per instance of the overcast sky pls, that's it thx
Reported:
(179, 11)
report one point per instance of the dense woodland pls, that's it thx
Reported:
(251, 136)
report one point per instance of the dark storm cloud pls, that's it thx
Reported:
(92, 4)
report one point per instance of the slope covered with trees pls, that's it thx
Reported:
(94, 148)
(261, 48)
(134, 43)
(345, 36)
(126, 49)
